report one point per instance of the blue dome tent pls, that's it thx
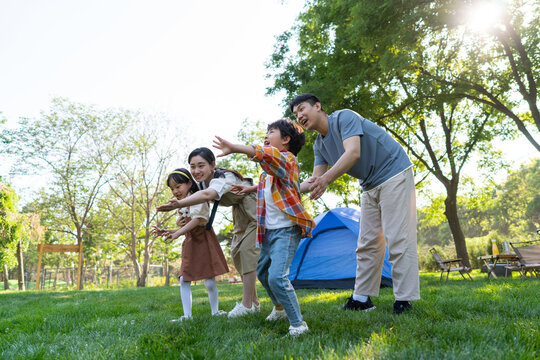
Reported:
(328, 258)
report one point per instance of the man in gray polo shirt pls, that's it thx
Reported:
(362, 149)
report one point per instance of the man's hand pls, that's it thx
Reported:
(171, 205)
(318, 186)
(225, 146)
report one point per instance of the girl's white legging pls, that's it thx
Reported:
(185, 293)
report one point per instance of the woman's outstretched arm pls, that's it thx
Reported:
(199, 197)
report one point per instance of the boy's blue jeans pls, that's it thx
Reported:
(277, 252)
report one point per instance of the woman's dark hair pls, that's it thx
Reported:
(208, 155)
(287, 127)
(183, 176)
(310, 98)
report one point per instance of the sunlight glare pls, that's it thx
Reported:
(483, 16)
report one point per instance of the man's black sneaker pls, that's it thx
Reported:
(401, 306)
(358, 305)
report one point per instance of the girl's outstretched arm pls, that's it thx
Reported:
(162, 232)
(183, 230)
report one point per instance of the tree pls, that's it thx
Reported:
(31, 232)
(75, 145)
(136, 187)
(503, 211)
(360, 55)
(515, 200)
(9, 230)
(498, 65)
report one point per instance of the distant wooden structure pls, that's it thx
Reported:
(60, 248)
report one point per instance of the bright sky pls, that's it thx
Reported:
(196, 61)
(200, 62)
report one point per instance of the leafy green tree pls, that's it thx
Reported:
(10, 228)
(75, 145)
(500, 211)
(31, 233)
(498, 66)
(136, 187)
(516, 200)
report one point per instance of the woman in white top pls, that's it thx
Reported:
(216, 186)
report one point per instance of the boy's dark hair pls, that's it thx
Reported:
(208, 155)
(287, 127)
(310, 98)
(183, 176)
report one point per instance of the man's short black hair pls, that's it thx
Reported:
(310, 98)
(287, 127)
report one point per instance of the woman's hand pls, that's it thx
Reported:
(171, 205)
(243, 189)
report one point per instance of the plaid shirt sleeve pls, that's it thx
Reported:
(283, 166)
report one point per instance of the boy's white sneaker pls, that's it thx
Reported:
(219, 313)
(241, 310)
(276, 315)
(181, 318)
(298, 330)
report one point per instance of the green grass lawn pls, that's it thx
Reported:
(497, 319)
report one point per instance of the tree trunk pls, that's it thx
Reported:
(141, 281)
(72, 275)
(134, 260)
(55, 276)
(67, 276)
(6, 278)
(80, 276)
(109, 275)
(95, 280)
(20, 267)
(166, 271)
(453, 221)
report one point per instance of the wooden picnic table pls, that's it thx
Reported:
(491, 262)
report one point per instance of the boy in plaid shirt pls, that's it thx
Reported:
(281, 218)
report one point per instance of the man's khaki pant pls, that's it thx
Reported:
(389, 217)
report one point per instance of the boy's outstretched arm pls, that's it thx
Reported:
(273, 162)
(228, 147)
